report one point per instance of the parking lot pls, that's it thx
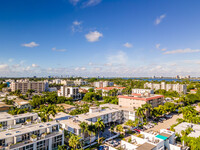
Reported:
(166, 123)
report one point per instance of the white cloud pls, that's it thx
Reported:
(34, 65)
(31, 44)
(83, 68)
(10, 60)
(163, 49)
(128, 45)
(158, 46)
(76, 26)
(91, 3)
(93, 36)
(74, 2)
(77, 23)
(4, 66)
(118, 58)
(178, 51)
(58, 50)
(159, 19)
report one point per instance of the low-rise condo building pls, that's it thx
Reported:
(106, 90)
(137, 100)
(9, 121)
(69, 92)
(22, 104)
(46, 135)
(184, 125)
(165, 139)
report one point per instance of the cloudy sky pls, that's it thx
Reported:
(99, 37)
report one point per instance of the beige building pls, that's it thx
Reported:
(137, 100)
(24, 86)
(180, 88)
(22, 104)
(67, 107)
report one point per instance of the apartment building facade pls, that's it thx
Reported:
(142, 91)
(9, 121)
(70, 92)
(24, 86)
(162, 140)
(40, 136)
(101, 84)
(180, 88)
(105, 90)
(135, 101)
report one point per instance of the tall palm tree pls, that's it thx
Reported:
(91, 131)
(100, 126)
(84, 128)
(140, 113)
(74, 141)
(47, 111)
(147, 108)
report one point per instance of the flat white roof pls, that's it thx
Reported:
(4, 116)
(185, 125)
(97, 114)
(26, 129)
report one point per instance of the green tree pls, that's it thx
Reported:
(100, 126)
(74, 141)
(46, 111)
(140, 113)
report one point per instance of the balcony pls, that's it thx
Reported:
(43, 136)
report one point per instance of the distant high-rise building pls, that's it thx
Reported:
(180, 88)
(25, 85)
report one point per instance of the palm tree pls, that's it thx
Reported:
(61, 147)
(84, 128)
(100, 126)
(91, 131)
(47, 111)
(74, 141)
(147, 108)
(140, 113)
(119, 129)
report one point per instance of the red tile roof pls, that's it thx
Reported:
(141, 98)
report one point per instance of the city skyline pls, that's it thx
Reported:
(99, 38)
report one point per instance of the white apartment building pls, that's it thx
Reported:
(79, 82)
(56, 81)
(9, 121)
(184, 125)
(101, 84)
(69, 92)
(40, 136)
(67, 82)
(72, 123)
(165, 139)
(142, 91)
(180, 88)
(25, 85)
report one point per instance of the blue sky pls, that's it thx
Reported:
(99, 37)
